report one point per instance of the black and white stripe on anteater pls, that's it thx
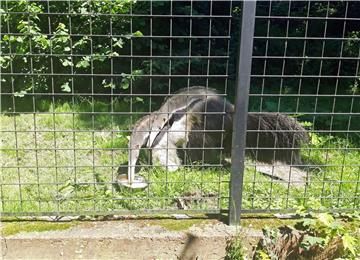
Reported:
(196, 118)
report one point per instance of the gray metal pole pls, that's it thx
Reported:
(241, 111)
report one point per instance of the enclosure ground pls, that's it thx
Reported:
(67, 166)
(127, 239)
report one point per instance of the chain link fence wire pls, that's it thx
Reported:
(77, 76)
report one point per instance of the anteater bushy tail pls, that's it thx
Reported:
(275, 137)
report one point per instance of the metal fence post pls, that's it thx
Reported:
(241, 110)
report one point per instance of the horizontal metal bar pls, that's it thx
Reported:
(181, 148)
(112, 75)
(132, 15)
(322, 18)
(306, 76)
(308, 131)
(127, 36)
(172, 198)
(319, 113)
(112, 212)
(302, 197)
(210, 94)
(129, 131)
(305, 58)
(168, 113)
(113, 113)
(84, 214)
(192, 166)
(118, 149)
(180, 94)
(103, 199)
(49, 55)
(149, 181)
(269, 37)
(305, 95)
(124, 131)
(186, 166)
(287, 181)
(292, 210)
(102, 131)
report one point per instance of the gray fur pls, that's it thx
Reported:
(176, 132)
(274, 130)
(148, 127)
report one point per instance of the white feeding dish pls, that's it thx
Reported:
(138, 182)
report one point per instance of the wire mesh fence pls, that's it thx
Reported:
(306, 65)
(86, 84)
(78, 75)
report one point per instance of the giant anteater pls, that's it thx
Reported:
(195, 124)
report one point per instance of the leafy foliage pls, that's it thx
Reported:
(90, 36)
(316, 235)
(322, 228)
(32, 45)
(235, 249)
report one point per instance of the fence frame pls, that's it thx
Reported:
(241, 111)
(238, 198)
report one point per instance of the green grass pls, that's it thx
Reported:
(65, 174)
(14, 228)
(176, 225)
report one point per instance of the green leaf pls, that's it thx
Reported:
(66, 63)
(108, 85)
(138, 34)
(263, 255)
(61, 27)
(118, 42)
(336, 225)
(308, 222)
(6, 37)
(12, 38)
(315, 139)
(125, 84)
(19, 39)
(326, 219)
(310, 241)
(42, 41)
(136, 72)
(22, 93)
(80, 42)
(99, 57)
(139, 99)
(306, 124)
(65, 87)
(83, 10)
(84, 63)
(349, 243)
(4, 61)
(114, 54)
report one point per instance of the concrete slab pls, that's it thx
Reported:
(134, 239)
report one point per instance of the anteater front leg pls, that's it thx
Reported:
(164, 150)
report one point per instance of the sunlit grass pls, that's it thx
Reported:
(70, 164)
